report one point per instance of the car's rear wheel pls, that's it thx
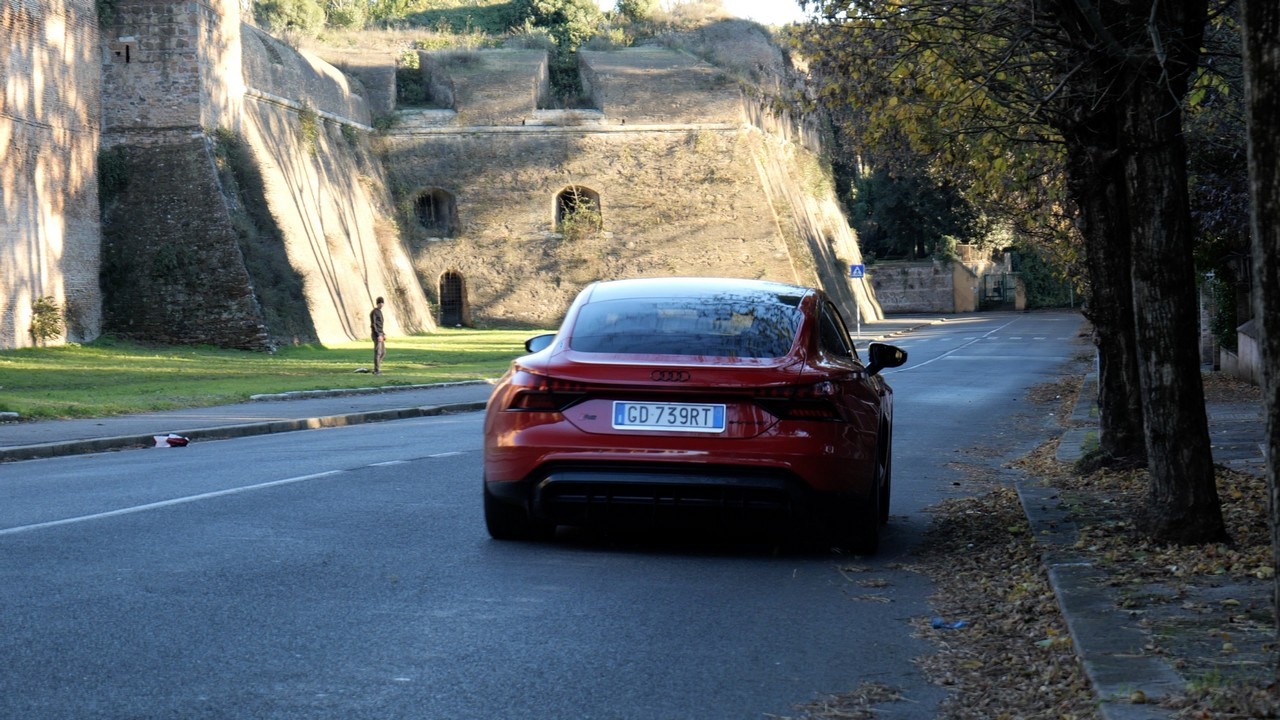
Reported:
(853, 524)
(865, 538)
(508, 521)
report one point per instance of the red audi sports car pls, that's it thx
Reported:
(693, 401)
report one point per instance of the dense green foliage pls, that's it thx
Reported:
(1046, 285)
(278, 16)
(347, 14)
(46, 319)
(637, 10)
(570, 22)
(908, 215)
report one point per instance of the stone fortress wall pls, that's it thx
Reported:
(49, 129)
(685, 179)
(247, 203)
(251, 210)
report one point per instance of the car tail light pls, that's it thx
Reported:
(801, 402)
(539, 393)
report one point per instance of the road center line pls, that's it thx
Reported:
(165, 503)
(957, 349)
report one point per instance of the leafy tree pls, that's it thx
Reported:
(1044, 283)
(306, 16)
(1261, 33)
(570, 22)
(971, 87)
(907, 215)
(1104, 84)
(347, 14)
(637, 10)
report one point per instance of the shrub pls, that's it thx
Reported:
(411, 86)
(637, 10)
(306, 16)
(309, 128)
(347, 14)
(570, 22)
(46, 319)
(528, 37)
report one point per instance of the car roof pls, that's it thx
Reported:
(693, 287)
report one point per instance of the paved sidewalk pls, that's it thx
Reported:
(1110, 646)
(292, 411)
(288, 411)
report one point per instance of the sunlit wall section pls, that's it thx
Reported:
(49, 117)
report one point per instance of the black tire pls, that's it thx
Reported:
(508, 521)
(853, 524)
(865, 534)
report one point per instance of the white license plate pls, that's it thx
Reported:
(685, 417)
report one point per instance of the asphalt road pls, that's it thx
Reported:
(346, 573)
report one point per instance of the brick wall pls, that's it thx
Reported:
(48, 141)
(287, 243)
(912, 287)
(172, 268)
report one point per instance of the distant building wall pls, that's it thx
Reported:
(49, 119)
(914, 287)
(1246, 362)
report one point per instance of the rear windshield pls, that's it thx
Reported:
(762, 326)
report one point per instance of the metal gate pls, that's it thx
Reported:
(998, 290)
(453, 300)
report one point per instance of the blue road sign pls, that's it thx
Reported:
(857, 271)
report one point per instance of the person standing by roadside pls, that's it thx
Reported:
(379, 338)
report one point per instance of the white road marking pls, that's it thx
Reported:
(988, 336)
(446, 454)
(165, 503)
(389, 462)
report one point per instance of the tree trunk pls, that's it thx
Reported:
(1184, 506)
(1261, 29)
(1095, 182)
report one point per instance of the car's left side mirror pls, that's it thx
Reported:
(538, 343)
(884, 356)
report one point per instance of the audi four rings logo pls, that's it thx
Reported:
(670, 375)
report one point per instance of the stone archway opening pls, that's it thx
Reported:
(578, 212)
(437, 212)
(454, 308)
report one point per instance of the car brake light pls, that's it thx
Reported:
(539, 393)
(801, 402)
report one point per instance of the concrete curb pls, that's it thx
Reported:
(339, 392)
(224, 432)
(1111, 653)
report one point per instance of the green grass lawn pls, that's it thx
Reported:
(111, 377)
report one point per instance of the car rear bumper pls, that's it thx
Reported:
(647, 496)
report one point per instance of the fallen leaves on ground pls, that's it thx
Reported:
(1002, 645)
(1013, 658)
(856, 705)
